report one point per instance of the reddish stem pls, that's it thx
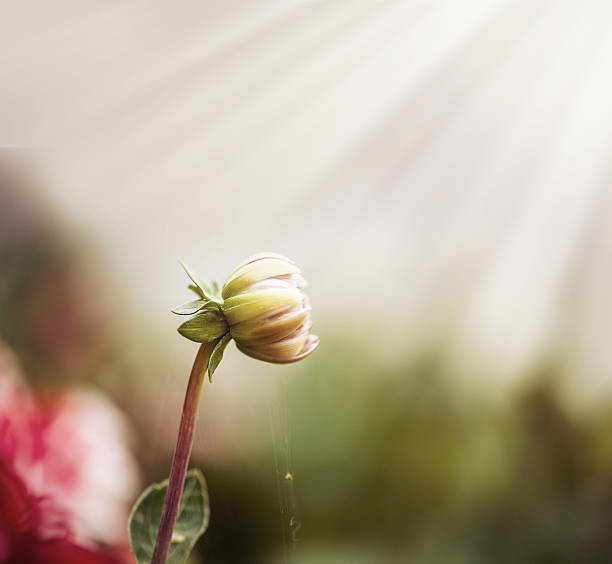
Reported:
(182, 453)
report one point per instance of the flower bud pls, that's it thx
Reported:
(267, 313)
(261, 306)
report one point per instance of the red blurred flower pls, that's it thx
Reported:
(22, 538)
(66, 475)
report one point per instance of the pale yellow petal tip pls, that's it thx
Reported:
(267, 254)
(312, 342)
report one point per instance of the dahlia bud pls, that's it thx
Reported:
(261, 306)
(268, 315)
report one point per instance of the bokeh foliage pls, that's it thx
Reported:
(394, 463)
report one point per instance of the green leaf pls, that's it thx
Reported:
(191, 307)
(204, 288)
(215, 288)
(197, 290)
(206, 326)
(217, 355)
(192, 520)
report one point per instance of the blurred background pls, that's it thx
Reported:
(440, 171)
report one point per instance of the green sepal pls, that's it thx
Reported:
(192, 520)
(197, 290)
(215, 288)
(205, 291)
(217, 354)
(204, 327)
(192, 307)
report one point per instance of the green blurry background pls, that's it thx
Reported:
(394, 455)
(441, 173)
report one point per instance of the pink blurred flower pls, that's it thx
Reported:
(23, 539)
(70, 453)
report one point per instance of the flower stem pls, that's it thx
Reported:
(182, 453)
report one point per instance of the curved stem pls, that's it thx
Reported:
(182, 453)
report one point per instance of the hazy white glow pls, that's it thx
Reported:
(453, 153)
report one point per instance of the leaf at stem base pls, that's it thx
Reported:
(192, 520)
